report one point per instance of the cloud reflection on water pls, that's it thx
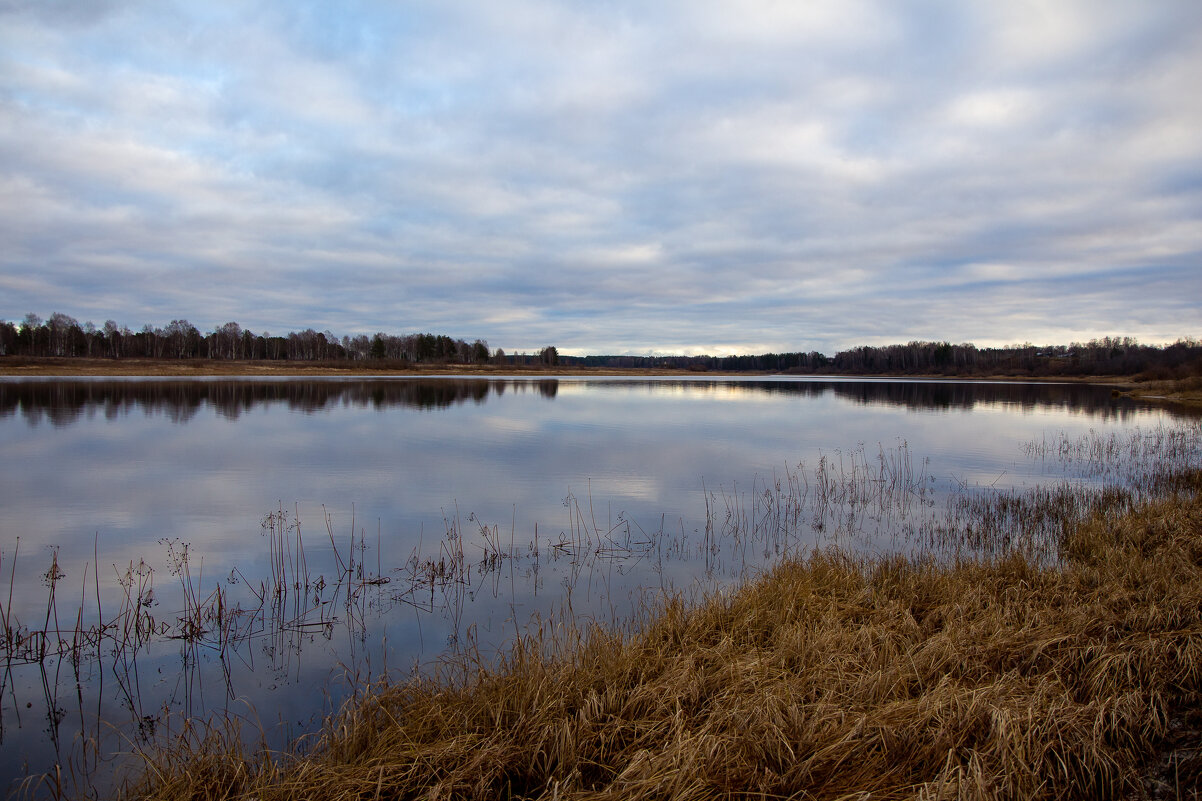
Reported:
(125, 465)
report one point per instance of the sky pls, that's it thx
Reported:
(679, 177)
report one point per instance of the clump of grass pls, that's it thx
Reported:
(829, 677)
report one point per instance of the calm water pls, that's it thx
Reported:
(405, 517)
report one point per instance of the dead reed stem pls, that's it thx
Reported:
(830, 677)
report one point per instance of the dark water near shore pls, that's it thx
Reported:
(405, 517)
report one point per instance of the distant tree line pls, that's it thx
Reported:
(1106, 356)
(62, 335)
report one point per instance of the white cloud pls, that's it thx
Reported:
(609, 177)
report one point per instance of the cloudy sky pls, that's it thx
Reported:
(608, 177)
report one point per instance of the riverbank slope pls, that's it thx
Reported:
(18, 366)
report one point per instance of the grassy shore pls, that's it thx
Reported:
(46, 366)
(833, 677)
(175, 368)
(1186, 391)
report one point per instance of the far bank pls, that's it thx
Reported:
(1185, 391)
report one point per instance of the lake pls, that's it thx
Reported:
(255, 547)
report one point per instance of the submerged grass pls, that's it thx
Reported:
(830, 677)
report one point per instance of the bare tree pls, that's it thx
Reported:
(229, 340)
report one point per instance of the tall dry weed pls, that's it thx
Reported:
(832, 677)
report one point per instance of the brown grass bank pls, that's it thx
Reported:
(829, 678)
(1187, 391)
(36, 366)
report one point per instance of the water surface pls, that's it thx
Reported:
(547, 496)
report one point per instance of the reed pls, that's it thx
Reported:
(1042, 643)
(832, 676)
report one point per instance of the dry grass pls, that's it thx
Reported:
(829, 678)
(1184, 390)
(28, 366)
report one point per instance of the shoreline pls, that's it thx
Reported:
(1186, 392)
(41, 367)
(19, 366)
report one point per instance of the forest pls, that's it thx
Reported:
(63, 336)
(1107, 356)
